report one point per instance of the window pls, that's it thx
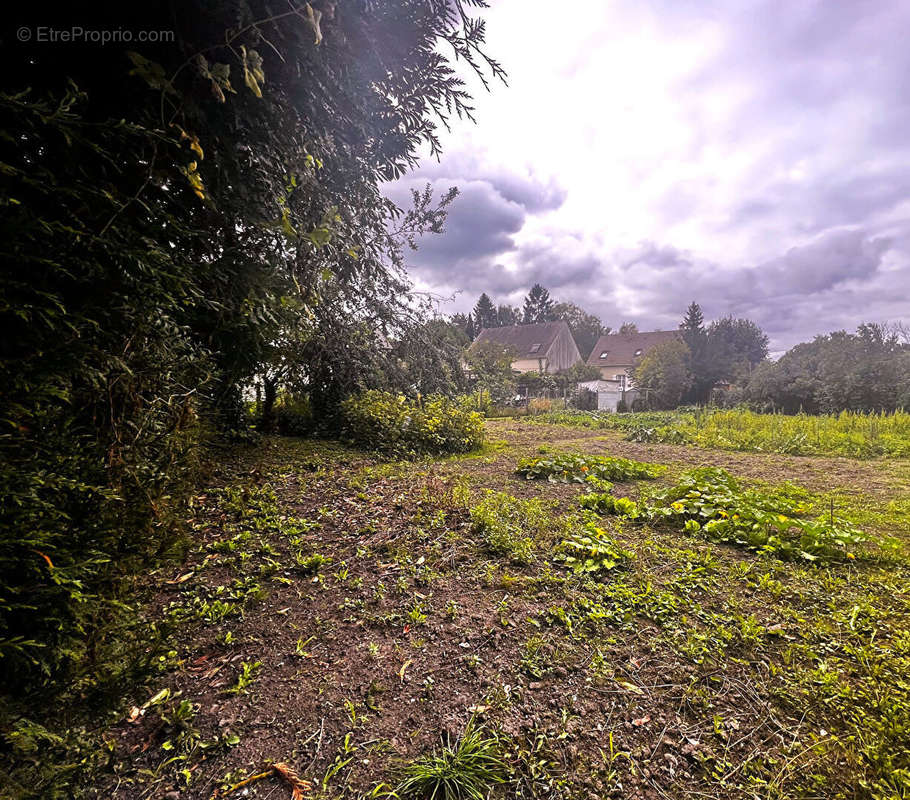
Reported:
(622, 381)
(637, 353)
(605, 353)
(535, 347)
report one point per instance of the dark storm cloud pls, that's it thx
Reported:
(490, 208)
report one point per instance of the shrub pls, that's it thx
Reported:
(294, 417)
(393, 424)
(579, 468)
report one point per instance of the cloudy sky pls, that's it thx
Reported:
(752, 156)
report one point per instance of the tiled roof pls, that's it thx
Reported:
(626, 349)
(523, 338)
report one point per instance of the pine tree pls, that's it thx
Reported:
(538, 306)
(484, 313)
(696, 337)
(694, 320)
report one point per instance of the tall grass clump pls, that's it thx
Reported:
(464, 770)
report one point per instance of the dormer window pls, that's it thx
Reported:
(605, 353)
(637, 353)
(535, 347)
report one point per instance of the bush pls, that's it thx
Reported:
(393, 424)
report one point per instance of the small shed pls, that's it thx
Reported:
(610, 394)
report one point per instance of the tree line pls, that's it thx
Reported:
(726, 362)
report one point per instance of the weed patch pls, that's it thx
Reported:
(709, 500)
(464, 770)
(580, 468)
(505, 523)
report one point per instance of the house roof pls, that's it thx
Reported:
(626, 349)
(528, 341)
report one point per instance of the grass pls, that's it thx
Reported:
(845, 434)
(465, 770)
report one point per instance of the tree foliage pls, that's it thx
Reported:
(864, 371)
(663, 375)
(179, 220)
(485, 313)
(538, 306)
(490, 365)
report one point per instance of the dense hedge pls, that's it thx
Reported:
(393, 424)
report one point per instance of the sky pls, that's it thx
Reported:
(751, 156)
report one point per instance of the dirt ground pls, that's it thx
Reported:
(343, 616)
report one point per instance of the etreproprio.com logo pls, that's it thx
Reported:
(47, 34)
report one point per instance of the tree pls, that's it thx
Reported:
(586, 328)
(465, 323)
(628, 328)
(507, 315)
(696, 338)
(484, 313)
(490, 365)
(663, 375)
(862, 371)
(538, 306)
(734, 347)
(173, 201)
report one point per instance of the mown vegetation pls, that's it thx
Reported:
(848, 434)
(529, 647)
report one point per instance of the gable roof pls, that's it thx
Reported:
(626, 349)
(523, 338)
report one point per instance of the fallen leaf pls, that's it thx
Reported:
(403, 668)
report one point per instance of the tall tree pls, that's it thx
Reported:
(538, 306)
(696, 338)
(173, 200)
(586, 328)
(507, 315)
(734, 348)
(485, 313)
(628, 327)
(663, 374)
(465, 323)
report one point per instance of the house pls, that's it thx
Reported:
(545, 347)
(616, 355)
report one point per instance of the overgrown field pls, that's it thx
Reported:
(844, 434)
(566, 614)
